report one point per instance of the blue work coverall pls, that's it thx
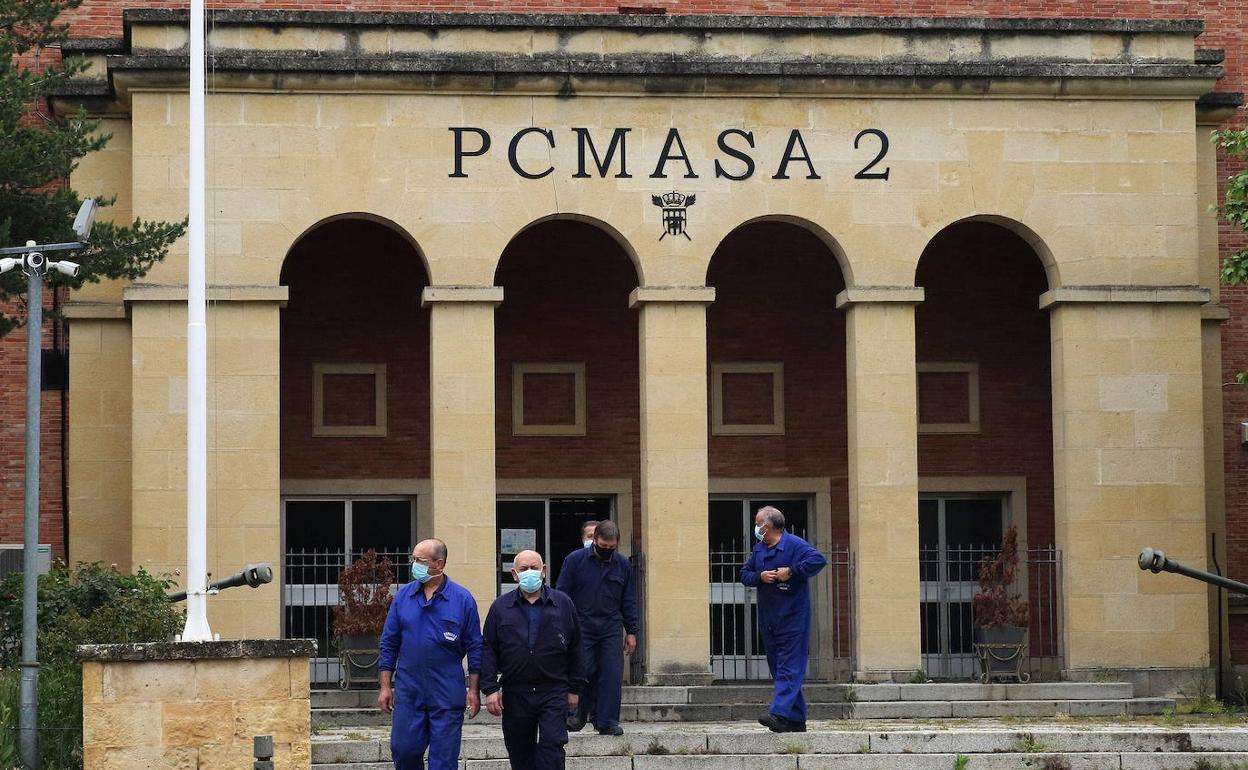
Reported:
(606, 600)
(424, 643)
(784, 616)
(532, 651)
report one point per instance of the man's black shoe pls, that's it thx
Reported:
(575, 725)
(611, 730)
(772, 722)
(792, 726)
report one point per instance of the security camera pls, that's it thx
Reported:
(8, 263)
(85, 219)
(65, 267)
(35, 261)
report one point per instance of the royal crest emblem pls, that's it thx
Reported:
(675, 206)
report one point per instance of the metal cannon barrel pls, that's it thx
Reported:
(253, 575)
(1156, 561)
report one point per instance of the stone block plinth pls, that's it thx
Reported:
(177, 705)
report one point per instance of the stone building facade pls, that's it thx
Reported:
(478, 276)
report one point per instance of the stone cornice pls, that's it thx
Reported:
(570, 54)
(645, 295)
(434, 295)
(147, 292)
(672, 22)
(856, 295)
(1188, 295)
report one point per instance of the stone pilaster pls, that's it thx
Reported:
(461, 402)
(883, 478)
(674, 487)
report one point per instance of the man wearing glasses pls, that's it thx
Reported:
(431, 627)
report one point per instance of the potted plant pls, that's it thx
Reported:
(364, 600)
(1001, 613)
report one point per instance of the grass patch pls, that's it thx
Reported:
(961, 761)
(1027, 744)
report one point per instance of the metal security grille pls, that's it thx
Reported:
(310, 593)
(948, 580)
(737, 651)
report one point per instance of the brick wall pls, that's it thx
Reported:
(983, 285)
(775, 286)
(565, 288)
(355, 298)
(13, 438)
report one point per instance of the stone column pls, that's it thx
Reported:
(674, 487)
(461, 404)
(883, 478)
(243, 444)
(1129, 472)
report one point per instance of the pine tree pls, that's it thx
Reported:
(38, 152)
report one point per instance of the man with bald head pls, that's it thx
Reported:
(531, 670)
(431, 627)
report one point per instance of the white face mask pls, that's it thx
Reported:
(587, 543)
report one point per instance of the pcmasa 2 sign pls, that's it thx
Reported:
(736, 158)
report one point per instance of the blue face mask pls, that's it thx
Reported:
(530, 580)
(758, 533)
(420, 573)
(587, 543)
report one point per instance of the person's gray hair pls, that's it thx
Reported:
(607, 530)
(772, 517)
(587, 525)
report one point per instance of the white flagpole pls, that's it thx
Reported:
(196, 629)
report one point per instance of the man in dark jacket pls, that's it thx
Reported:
(600, 582)
(532, 658)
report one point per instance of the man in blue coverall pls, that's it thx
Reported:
(431, 627)
(532, 660)
(780, 566)
(600, 582)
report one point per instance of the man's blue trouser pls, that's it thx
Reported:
(416, 728)
(603, 655)
(787, 654)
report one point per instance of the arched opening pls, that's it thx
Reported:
(567, 392)
(985, 435)
(354, 413)
(778, 433)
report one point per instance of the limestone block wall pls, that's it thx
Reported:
(100, 441)
(1129, 472)
(243, 488)
(168, 705)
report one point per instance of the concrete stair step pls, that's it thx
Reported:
(819, 693)
(748, 712)
(867, 761)
(744, 739)
(1011, 708)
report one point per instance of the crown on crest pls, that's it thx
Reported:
(673, 199)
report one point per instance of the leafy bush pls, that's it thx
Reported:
(996, 603)
(365, 591)
(91, 604)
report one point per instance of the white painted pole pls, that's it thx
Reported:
(196, 629)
